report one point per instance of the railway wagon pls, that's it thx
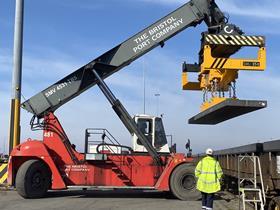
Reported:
(269, 156)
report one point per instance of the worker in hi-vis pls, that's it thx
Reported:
(209, 172)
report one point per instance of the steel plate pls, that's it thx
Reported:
(226, 110)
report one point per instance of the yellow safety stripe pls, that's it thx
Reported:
(2, 167)
(3, 173)
(207, 182)
(3, 178)
(204, 172)
(239, 40)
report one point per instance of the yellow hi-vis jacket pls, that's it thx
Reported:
(209, 172)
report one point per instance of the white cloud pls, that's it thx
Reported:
(260, 9)
(260, 17)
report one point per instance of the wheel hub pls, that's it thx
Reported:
(37, 180)
(188, 182)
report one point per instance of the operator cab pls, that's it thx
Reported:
(101, 141)
(152, 128)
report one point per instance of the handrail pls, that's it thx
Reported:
(101, 131)
(105, 134)
(261, 179)
(111, 138)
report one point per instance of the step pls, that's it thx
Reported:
(115, 168)
(111, 187)
(99, 157)
(250, 189)
(249, 200)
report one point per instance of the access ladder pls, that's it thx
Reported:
(258, 191)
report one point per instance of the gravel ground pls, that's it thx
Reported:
(110, 200)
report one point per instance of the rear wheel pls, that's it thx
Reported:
(274, 204)
(33, 179)
(183, 183)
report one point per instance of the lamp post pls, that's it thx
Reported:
(157, 95)
(144, 88)
(16, 83)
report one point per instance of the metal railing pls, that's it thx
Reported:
(105, 140)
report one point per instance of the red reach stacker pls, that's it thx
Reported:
(36, 166)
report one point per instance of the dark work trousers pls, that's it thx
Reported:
(207, 200)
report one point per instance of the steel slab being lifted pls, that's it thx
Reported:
(226, 110)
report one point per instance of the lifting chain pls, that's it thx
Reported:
(214, 87)
(215, 90)
(232, 90)
(205, 95)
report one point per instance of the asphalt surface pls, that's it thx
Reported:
(109, 200)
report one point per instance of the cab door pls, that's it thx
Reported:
(145, 125)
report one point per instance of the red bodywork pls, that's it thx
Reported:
(69, 168)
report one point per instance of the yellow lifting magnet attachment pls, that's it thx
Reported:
(217, 73)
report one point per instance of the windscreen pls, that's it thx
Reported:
(160, 137)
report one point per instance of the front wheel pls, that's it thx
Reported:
(33, 179)
(183, 183)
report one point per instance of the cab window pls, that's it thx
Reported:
(146, 127)
(160, 137)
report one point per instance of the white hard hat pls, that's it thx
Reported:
(209, 151)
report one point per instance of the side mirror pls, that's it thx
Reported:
(188, 147)
(188, 144)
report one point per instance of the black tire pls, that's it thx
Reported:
(183, 183)
(33, 179)
(274, 204)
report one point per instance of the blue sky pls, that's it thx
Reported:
(60, 36)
